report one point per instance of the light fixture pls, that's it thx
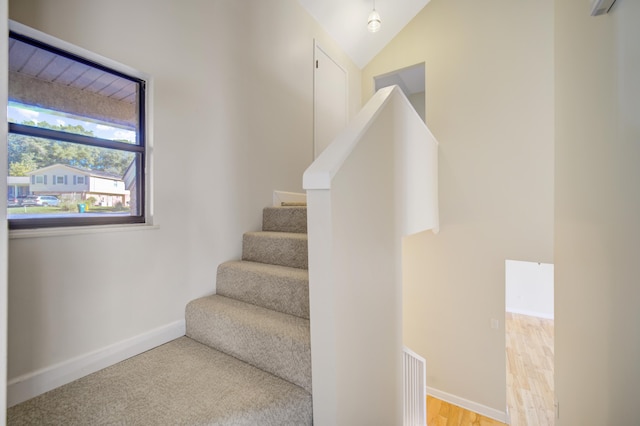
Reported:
(374, 20)
(600, 7)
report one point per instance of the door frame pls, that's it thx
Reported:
(316, 47)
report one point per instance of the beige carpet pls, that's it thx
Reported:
(180, 383)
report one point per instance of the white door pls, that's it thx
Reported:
(329, 100)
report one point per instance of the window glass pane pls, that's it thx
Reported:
(105, 179)
(48, 119)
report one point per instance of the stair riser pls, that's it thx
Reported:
(281, 289)
(276, 249)
(285, 219)
(274, 342)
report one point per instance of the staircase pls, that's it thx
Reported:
(260, 314)
(245, 359)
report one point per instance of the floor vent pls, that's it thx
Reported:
(414, 376)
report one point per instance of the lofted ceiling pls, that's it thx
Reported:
(346, 22)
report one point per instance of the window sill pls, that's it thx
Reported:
(15, 234)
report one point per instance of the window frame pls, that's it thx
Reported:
(141, 148)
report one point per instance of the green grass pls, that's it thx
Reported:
(33, 210)
(105, 209)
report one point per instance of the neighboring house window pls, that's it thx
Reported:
(72, 113)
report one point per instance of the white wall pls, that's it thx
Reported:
(597, 231)
(529, 288)
(215, 65)
(489, 102)
(356, 348)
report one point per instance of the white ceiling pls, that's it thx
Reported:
(346, 22)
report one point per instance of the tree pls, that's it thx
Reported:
(21, 168)
(27, 153)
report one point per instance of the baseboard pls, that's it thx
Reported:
(544, 315)
(492, 413)
(33, 384)
(280, 197)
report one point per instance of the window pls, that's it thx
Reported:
(70, 115)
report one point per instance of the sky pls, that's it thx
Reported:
(19, 113)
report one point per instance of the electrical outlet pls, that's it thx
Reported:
(495, 324)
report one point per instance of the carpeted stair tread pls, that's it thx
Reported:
(180, 383)
(280, 288)
(276, 248)
(272, 341)
(285, 219)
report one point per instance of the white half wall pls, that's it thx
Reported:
(374, 184)
(529, 288)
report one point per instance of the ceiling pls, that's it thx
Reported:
(51, 67)
(346, 22)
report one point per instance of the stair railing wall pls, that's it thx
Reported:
(376, 183)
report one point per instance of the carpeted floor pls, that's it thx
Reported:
(180, 383)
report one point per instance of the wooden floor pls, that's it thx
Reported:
(530, 393)
(440, 413)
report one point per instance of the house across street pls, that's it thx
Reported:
(70, 183)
